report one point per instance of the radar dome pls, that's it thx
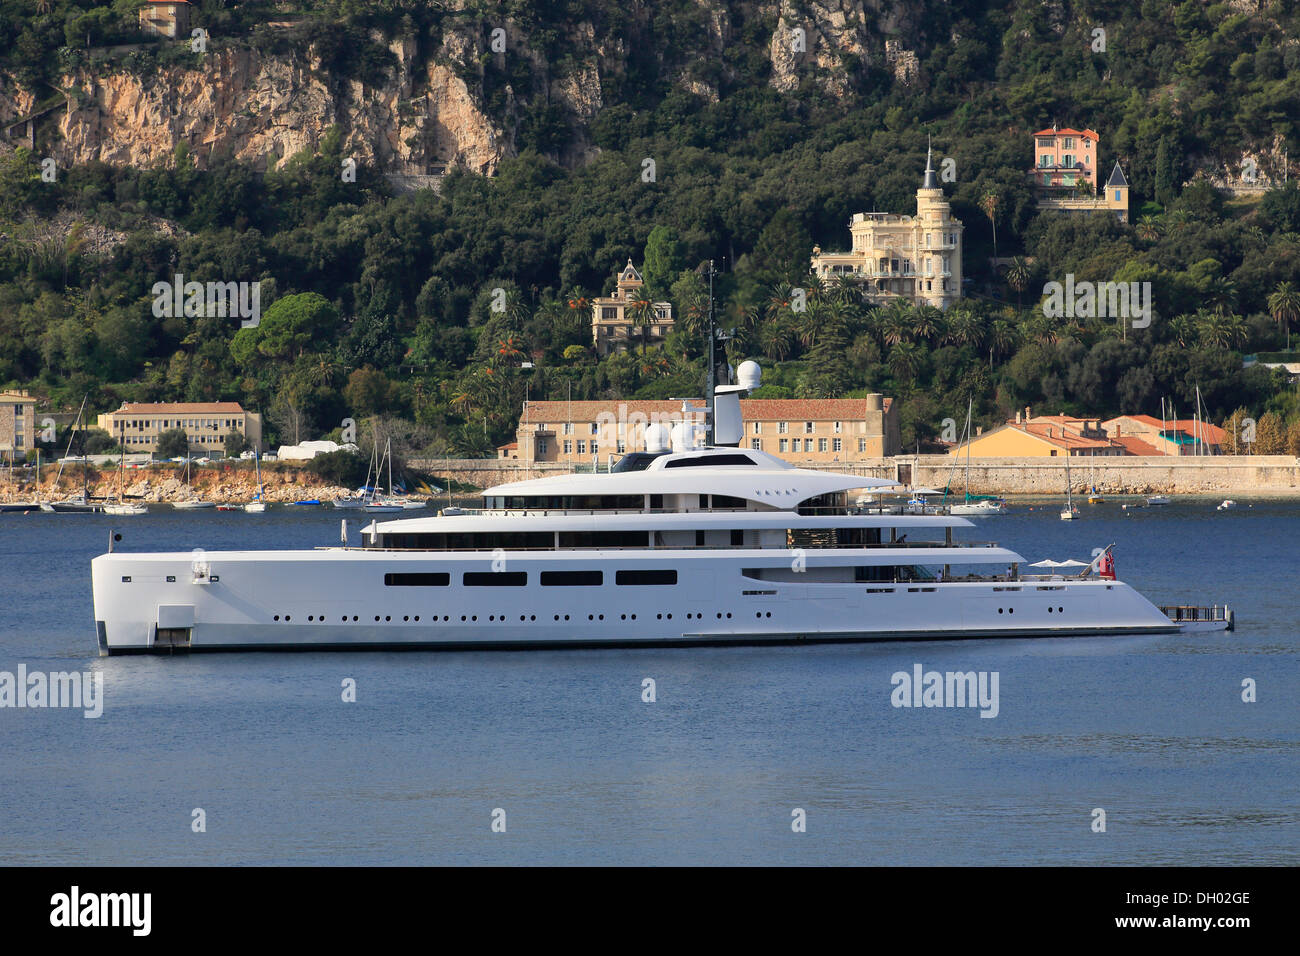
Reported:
(685, 436)
(657, 438)
(749, 374)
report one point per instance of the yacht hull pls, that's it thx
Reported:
(341, 599)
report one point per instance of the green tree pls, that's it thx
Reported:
(173, 443)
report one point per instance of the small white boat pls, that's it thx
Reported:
(1158, 500)
(125, 508)
(383, 506)
(975, 509)
(257, 505)
(193, 504)
(413, 505)
(1070, 512)
(1226, 505)
(354, 502)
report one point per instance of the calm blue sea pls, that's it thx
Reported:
(1152, 730)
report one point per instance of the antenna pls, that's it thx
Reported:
(711, 381)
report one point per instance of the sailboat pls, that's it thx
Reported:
(258, 504)
(1094, 496)
(1069, 512)
(365, 492)
(121, 507)
(975, 505)
(387, 504)
(194, 503)
(78, 503)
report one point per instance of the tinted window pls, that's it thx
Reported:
(710, 461)
(653, 576)
(572, 578)
(418, 579)
(496, 579)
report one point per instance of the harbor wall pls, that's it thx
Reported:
(1227, 474)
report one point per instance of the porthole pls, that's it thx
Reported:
(310, 618)
(473, 617)
(600, 617)
(719, 615)
(286, 617)
(1060, 610)
(462, 617)
(557, 617)
(591, 617)
(670, 617)
(417, 619)
(406, 617)
(532, 617)
(1050, 610)
(1011, 610)
(354, 617)
(623, 617)
(566, 617)
(999, 610)
(769, 613)
(634, 617)
(521, 617)
(344, 619)
(492, 617)
(758, 614)
(388, 617)
(277, 617)
(659, 617)
(728, 615)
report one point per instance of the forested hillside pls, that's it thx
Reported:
(670, 133)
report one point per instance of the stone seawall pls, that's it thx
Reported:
(1230, 474)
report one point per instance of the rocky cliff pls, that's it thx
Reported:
(444, 103)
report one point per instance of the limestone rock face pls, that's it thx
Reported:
(263, 109)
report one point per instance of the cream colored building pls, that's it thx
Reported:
(613, 326)
(803, 431)
(17, 424)
(916, 257)
(137, 425)
(166, 18)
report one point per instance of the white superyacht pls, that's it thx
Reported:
(680, 544)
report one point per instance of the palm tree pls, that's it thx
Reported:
(928, 323)
(42, 6)
(896, 322)
(776, 339)
(1220, 329)
(989, 202)
(1148, 228)
(905, 360)
(964, 328)
(1002, 338)
(1284, 306)
(1018, 278)
(642, 312)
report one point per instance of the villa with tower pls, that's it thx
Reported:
(626, 317)
(1065, 173)
(917, 258)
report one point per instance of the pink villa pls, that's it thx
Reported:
(1065, 158)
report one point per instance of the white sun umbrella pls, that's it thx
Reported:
(920, 492)
(1068, 563)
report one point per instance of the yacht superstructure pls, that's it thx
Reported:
(680, 544)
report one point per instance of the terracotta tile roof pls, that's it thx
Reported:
(751, 409)
(1136, 446)
(1067, 131)
(180, 408)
